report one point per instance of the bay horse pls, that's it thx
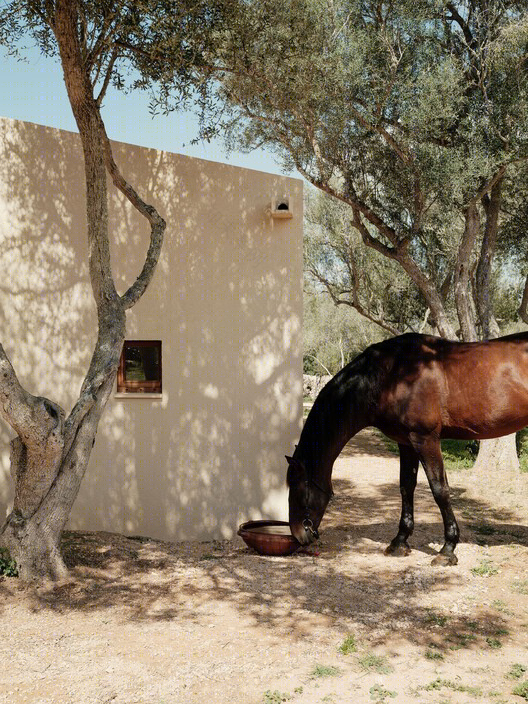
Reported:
(416, 389)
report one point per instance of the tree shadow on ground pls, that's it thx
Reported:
(349, 586)
(152, 582)
(366, 516)
(372, 443)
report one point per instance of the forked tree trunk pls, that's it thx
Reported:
(31, 538)
(49, 456)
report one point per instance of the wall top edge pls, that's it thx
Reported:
(285, 177)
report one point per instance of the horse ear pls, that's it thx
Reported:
(296, 471)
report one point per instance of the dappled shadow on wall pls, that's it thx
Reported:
(225, 301)
(46, 307)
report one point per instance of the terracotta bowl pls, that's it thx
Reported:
(269, 537)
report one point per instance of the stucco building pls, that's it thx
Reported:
(194, 459)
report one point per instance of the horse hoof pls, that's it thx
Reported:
(401, 550)
(444, 560)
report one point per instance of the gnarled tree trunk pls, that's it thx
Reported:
(49, 456)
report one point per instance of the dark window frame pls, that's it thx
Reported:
(129, 386)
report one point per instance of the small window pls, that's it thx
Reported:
(140, 367)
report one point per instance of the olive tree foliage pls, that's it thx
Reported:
(95, 43)
(341, 271)
(412, 113)
(338, 266)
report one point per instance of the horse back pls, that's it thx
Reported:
(452, 389)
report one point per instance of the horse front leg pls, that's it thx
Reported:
(430, 454)
(408, 474)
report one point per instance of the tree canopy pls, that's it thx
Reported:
(413, 114)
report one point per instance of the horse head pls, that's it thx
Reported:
(308, 500)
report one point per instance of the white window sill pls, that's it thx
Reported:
(137, 395)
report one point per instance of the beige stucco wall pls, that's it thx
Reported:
(225, 301)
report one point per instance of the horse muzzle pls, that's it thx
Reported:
(305, 532)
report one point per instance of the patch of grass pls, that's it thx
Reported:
(501, 606)
(521, 690)
(438, 683)
(325, 671)
(462, 640)
(441, 683)
(484, 529)
(348, 646)
(522, 449)
(501, 632)
(389, 444)
(378, 693)
(275, 697)
(8, 566)
(436, 619)
(375, 663)
(485, 569)
(493, 643)
(517, 671)
(433, 654)
(521, 587)
(138, 538)
(459, 454)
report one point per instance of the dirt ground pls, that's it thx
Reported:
(146, 622)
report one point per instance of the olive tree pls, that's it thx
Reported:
(94, 42)
(414, 114)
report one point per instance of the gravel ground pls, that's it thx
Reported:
(146, 622)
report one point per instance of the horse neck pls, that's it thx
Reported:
(325, 433)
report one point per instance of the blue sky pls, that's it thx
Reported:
(34, 91)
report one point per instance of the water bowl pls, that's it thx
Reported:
(269, 537)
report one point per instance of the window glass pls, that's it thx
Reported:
(140, 367)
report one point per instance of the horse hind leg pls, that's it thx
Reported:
(408, 473)
(430, 454)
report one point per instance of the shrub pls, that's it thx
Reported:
(8, 567)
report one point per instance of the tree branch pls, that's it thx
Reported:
(15, 402)
(37, 451)
(106, 31)
(523, 308)
(492, 205)
(157, 227)
(389, 139)
(462, 274)
(489, 184)
(372, 242)
(107, 78)
(457, 17)
(355, 303)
